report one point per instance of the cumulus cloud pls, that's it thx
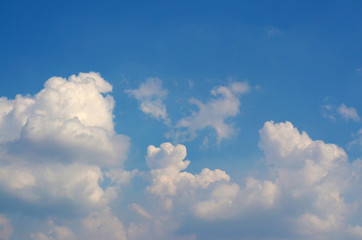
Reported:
(214, 113)
(54, 144)
(312, 175)
(59, 148)
(208, 195)
(309, 188)
(150, 95)
(68, 118)
(168, 178)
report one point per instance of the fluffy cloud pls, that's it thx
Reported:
(309, 188)
(312, 175)
(150, 94)
(68, 118)
(54, 144)
(214, 113)
(52, 184)
(59, 150)
(171, 183)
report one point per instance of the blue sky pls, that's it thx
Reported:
(235, 83)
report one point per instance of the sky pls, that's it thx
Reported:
(180, 120)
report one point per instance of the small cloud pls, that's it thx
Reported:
(329, 111)
(349, 113)
(357, 139)
(150, 95)
(214, 113)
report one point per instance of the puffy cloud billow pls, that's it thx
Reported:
(54, 144)
(59, 150)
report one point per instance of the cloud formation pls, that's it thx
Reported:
(214, 113)
(54, 144)
(60, 154)
(150, 95)
(309, 188)
(171, 183)
(314, 176)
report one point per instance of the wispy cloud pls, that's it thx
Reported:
(150, 95)
(347, 113)
(214, 113)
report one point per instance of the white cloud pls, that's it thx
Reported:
(214, 113)
(151, 94)
(312, 175)
(172, 184)
(60, 153)
(349, 113)
(208, 195)
(68, 118)
(219, 202)
(55, 144)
